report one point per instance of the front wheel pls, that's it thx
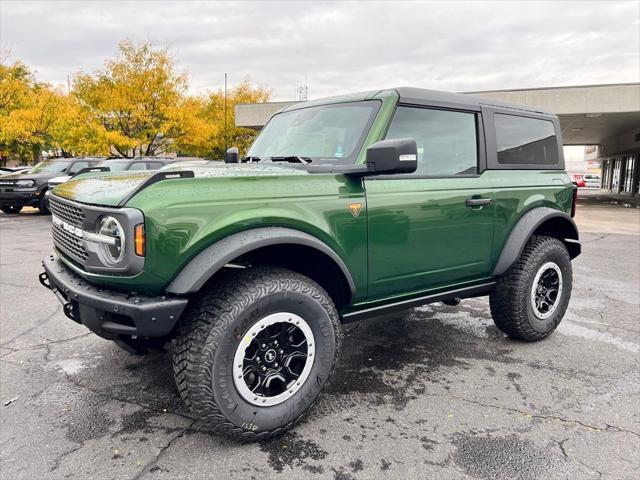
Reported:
(43, 205)
(11, 209)
(255, 351)
(530, 300)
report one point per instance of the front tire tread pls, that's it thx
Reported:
(203, 327)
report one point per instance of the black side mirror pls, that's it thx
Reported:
(398, 155)
(231, 155)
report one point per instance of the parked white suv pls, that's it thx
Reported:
(591, 180)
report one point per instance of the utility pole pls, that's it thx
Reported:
(302, 91)
(68, 84)
(225, 112)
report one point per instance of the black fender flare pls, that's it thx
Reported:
(564, 228)
(210, 260)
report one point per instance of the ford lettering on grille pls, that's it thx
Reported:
(67, 231)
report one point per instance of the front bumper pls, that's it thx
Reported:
(109, 313)
(19, 199)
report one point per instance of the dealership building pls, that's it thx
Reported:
(602, 116)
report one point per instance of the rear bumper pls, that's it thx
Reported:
(108, 313)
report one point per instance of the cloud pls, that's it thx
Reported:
(341, 47)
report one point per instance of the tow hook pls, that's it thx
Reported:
(71, 311)
(44, 280)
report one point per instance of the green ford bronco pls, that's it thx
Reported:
(343, 209)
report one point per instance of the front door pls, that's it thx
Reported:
(432, 228)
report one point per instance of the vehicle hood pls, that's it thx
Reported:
(28, 176)
(114, 188)
(60, 179)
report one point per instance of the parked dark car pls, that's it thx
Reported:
(140, 163)
(8, 170)
(27, 189)
(122, 164)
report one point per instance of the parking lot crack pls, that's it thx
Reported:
(34, 327)
(597, 239)
(607, 428)
(58, 461)
(163, 449)
(16, 285)
(120, 399)
(46, 345)
(560, 444)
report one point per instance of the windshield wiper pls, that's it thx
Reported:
(292, 159)
(250, 159)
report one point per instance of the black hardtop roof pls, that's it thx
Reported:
(72, 159)
(147, 158)
(465, 101)
(421, 96)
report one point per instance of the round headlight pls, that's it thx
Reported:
(111, 253)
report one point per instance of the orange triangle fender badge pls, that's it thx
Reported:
(355, 208)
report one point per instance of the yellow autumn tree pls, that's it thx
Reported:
(16, 89)
(76, 132)
(206, 132)
(214, 112)
(29, 112)
(137, 99)
(16, 81)
(136, 105)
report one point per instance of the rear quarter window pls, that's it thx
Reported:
(525, 141)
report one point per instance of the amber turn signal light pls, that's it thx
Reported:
(138, 239)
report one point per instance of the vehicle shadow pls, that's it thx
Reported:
(386, 360)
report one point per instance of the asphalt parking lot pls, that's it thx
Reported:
(436, 392)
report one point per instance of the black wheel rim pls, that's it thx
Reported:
(273, 359)
(546, 290)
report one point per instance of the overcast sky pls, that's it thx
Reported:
(340, 47)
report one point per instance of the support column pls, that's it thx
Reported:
(610, 164)
(636, 173)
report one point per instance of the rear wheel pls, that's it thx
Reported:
(530, 300)
(11, 209)
(255, 351)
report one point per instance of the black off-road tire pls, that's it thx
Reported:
(511, 306)
(11, 209)
(211, 330)
(43, 205)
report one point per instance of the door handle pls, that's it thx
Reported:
(477, 202)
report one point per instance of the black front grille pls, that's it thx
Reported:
(67, 212)
(67, 220)
(69, 243)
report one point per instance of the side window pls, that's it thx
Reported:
(138, 166)
(76, 167)
(447, 140)
(154, 165)
(525, 141)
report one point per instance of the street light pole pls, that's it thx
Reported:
(225, 112)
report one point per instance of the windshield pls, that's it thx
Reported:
(114, 166)
(49, 167)
(326, 132)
